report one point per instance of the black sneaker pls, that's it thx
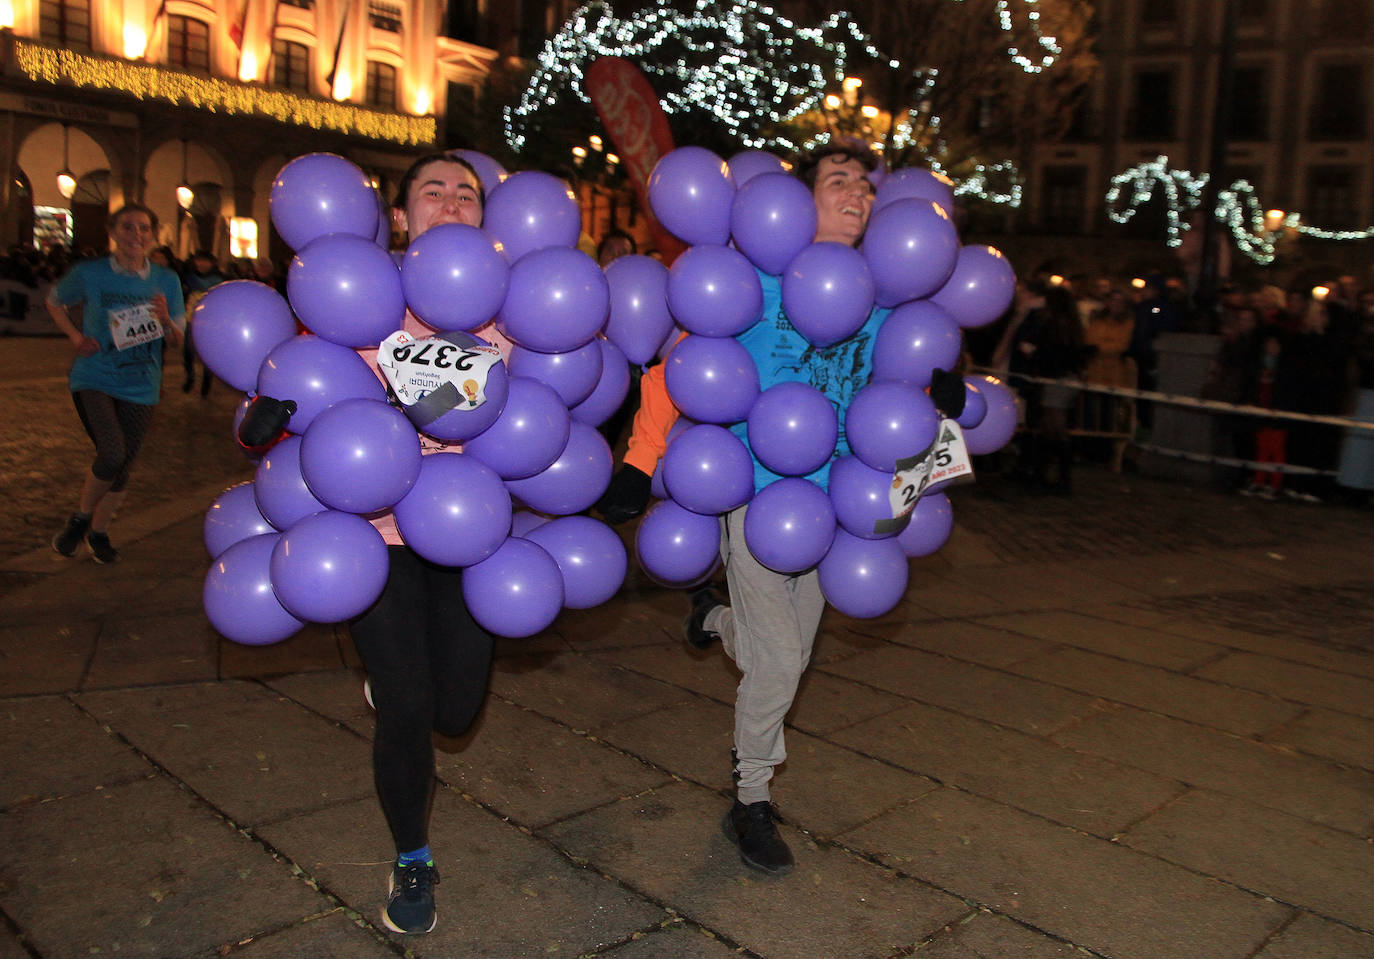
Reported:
(100, 546)
(70, 537)
(411, 906)
(753, 830)
(704, 600)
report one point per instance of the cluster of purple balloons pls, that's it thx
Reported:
(749, 216)
(294, 546)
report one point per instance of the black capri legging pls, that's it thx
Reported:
(429, 663)
(117, 428)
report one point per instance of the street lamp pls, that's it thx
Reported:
(185, 195)
(66, 181)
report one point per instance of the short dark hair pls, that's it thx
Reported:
(113, 221)
(616, 234)
(403, 189)
(806, 164)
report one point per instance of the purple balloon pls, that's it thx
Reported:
(914, 340)
(360, 456)
(656, 489)
(574, 481)
(279, 488)
(238, 597)
(863, 578)
(347, 290)
(467, 417)
(911, 247)
(887, 422)
(522, 521)
(676, 545)
(793, 428)
(827, 292)
(714, 291)
(233, 517)
(457, 513)
(980, 289)
(772, 220)
(708, 470)
(329, 567)
(315, 374)
(914, 182)
(639, 320)
(235, 325)
(690, 193)
(931, 523)
(860, 496)
(558, 300)
(532, 211)
(999, 423)
(589, 554)
(789, 525)
(322, 193)
(516, 591)
(712, 379)
(453, 278)
(611, 388)
(488, 170)
(530, 433)
(747, 164)
(975, 404)
(572, 375)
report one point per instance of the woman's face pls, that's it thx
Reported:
(132, 235)
(441, 192)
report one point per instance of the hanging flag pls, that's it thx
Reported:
(157, 20)
(236, 28)
(634, 119)
(338, 48)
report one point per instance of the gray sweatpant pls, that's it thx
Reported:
(769, 630)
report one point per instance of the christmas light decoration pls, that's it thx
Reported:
(66, 67)
(1253, 228)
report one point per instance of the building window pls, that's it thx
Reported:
(381, 85)
(1250, 104)
(291, 65)
(1339, 106)
(1152, 112)
(1332, 197)
(65, 23)
(385, 16)
(1065, 190)
(188, 44)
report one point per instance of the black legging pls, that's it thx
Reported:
(429, 663)
(117, 428)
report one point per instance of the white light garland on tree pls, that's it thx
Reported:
(1237, 208)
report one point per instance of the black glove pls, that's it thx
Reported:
(626, 497)
(948, 391)
(264, 421)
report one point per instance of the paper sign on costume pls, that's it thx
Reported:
(134, 325)
(436, 374)
(945, 462)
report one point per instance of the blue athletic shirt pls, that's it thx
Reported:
(783, 355)
(102, 287)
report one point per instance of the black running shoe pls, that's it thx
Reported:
(694, 626)
(71, 535)
(752, 828)
(410, 909)
(101, 548)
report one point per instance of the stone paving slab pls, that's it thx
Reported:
(1312, 938)
(46, 656)
(153, 650)
(1148, 646)
(1173, 694)
(678, 940)
(1034, 774)
(332, 935)
(49, 749)
(1272, 639)
(582, 693)
(162, 875)
(534, 772)
(502, 892)
(985, 934)
(971, 642)
(710, 673)
(1003, 698)
(1095, 894)
(316, 647)
(1305, 684)
(678, 829)
(1304, 786)
(1339, 736)
(336, 694)
(697, 747)
(1264, 851)
(249, 748)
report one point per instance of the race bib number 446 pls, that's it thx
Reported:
(946, 462)
(134, 325)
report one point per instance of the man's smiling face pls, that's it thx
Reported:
(844, 200)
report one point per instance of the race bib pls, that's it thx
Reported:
(134, 325)
(438, 373)
(945, 462)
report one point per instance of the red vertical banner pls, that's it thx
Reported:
(635, 121)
